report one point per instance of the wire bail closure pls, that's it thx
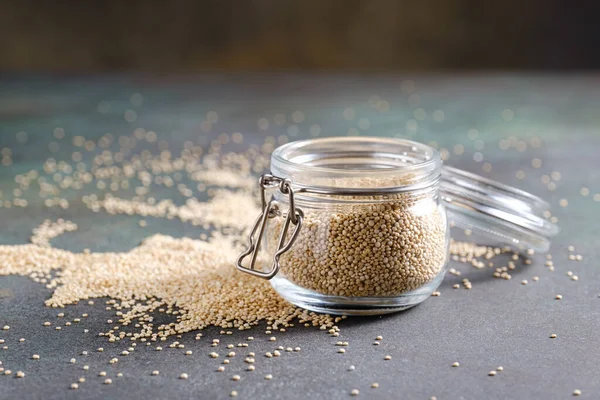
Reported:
(270, 209)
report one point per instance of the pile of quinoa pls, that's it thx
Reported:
(193, 279)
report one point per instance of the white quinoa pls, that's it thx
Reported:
(377, 250)
(395, 245)
(195, 274)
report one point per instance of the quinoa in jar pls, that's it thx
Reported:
(361, 225)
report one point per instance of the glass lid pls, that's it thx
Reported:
(497, 211)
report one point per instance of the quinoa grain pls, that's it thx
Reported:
(411, 253)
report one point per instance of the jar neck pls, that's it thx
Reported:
(358, 166)
(407, 197)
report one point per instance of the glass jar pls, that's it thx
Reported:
(358, 225)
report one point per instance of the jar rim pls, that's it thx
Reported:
(388, 163)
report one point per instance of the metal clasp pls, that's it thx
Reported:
(270, 209)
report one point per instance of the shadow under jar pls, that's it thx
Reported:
(356, 225)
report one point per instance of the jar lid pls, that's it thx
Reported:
(497, 211)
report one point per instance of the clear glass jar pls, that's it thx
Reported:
(358, 225)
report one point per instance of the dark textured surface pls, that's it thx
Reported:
(496, 323)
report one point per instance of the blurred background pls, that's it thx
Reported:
(187, 36)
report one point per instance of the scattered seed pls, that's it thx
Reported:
(354, 392)
(492, 373)
(236, 377)
(74, 386)
(268, 377)
(553, 336)
(35, 357)
(455, 364)
(155, 373)
(374, 385)
(388, 357)
(576, 392)
(183, 376)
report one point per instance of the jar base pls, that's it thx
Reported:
(341, 305)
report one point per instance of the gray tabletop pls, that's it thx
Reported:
(495, 323)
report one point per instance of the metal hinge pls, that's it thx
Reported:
(270, 209)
